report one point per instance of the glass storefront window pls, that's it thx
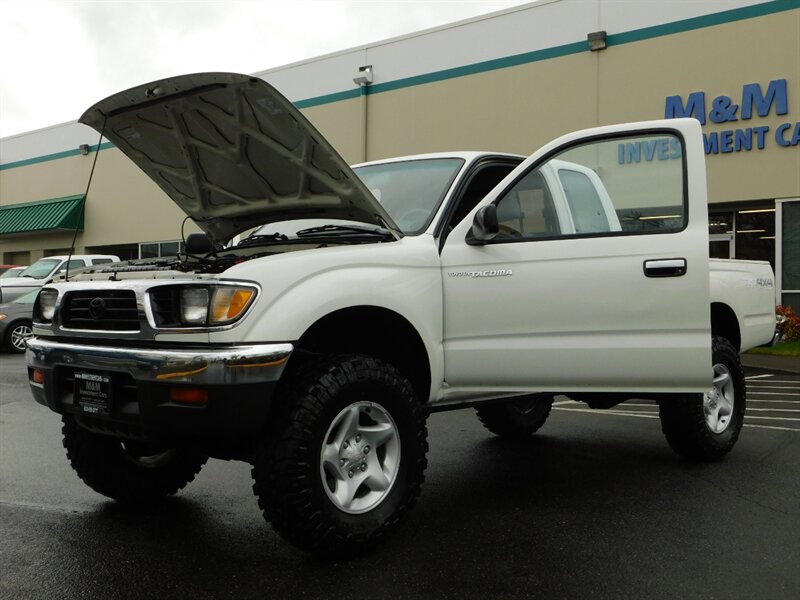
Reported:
(746, 234)
(720, 223)
(790, 265)
(755, 235)
(157, 249)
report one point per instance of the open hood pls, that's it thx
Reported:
(233, 153)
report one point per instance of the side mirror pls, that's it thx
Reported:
(198, 243)
(484, 226)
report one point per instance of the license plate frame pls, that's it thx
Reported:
(93, 392)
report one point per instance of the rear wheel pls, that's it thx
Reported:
(706, 426)
(345, 457)
(517, 418)
(128, 470)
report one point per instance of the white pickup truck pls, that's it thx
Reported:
(365, 298)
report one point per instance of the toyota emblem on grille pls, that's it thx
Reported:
(97, 308)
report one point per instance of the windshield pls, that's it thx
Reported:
(410, 191)
(12, 272)
(41, 268)
(28, 298)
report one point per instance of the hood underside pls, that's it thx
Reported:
(233, 153)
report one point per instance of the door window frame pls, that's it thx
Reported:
(556, 152)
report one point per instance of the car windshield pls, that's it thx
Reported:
(41, 268)
(12, 272)
(411, 190)
(28, 298)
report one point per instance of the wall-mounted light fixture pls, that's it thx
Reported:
(364, 76)
(84, 149)
(597, 40)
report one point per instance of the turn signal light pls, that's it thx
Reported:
(229, 303)
(37, 376)
(193, 396)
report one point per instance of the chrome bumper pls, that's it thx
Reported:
(223, 365)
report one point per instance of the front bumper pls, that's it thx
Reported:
(239, 380)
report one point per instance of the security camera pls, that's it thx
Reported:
(364, 76)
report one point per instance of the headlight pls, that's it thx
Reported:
(194, 305)
(46, 305)
(199, 305)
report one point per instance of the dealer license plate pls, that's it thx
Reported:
(93, 393)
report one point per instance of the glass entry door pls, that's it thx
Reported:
(721, 245)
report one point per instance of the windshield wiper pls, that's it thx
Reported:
(262, 239)
(344, 230)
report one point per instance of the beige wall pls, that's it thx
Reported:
(518, 109)
(507, 109)
(340, 123)
(124, 206)
(635, 80)
(514, 109)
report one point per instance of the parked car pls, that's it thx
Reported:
(42, 270)
(12, 272)
(15, 321)
(4, 268)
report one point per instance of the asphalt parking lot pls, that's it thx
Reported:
(594, 506)
(773, 402)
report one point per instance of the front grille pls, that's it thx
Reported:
(105, 310)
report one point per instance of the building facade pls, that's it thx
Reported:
(508, 81)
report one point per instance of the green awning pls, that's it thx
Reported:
(58, 214)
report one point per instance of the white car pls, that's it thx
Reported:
(44, 269)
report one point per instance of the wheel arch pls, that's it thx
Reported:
(373, 331)
(724, 323)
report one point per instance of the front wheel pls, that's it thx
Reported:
(706, 426)
(126, 470)
(345, 457)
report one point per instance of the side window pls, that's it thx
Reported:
(527, 210)
(584, 202)
(481, 184)
(73, 264)
(626, 185)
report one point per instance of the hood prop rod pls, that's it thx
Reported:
(85, 197)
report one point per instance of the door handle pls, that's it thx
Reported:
(665, 267)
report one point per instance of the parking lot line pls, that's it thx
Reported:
(753, 425)
(774, 401)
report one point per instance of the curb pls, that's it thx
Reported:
(785, 364)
